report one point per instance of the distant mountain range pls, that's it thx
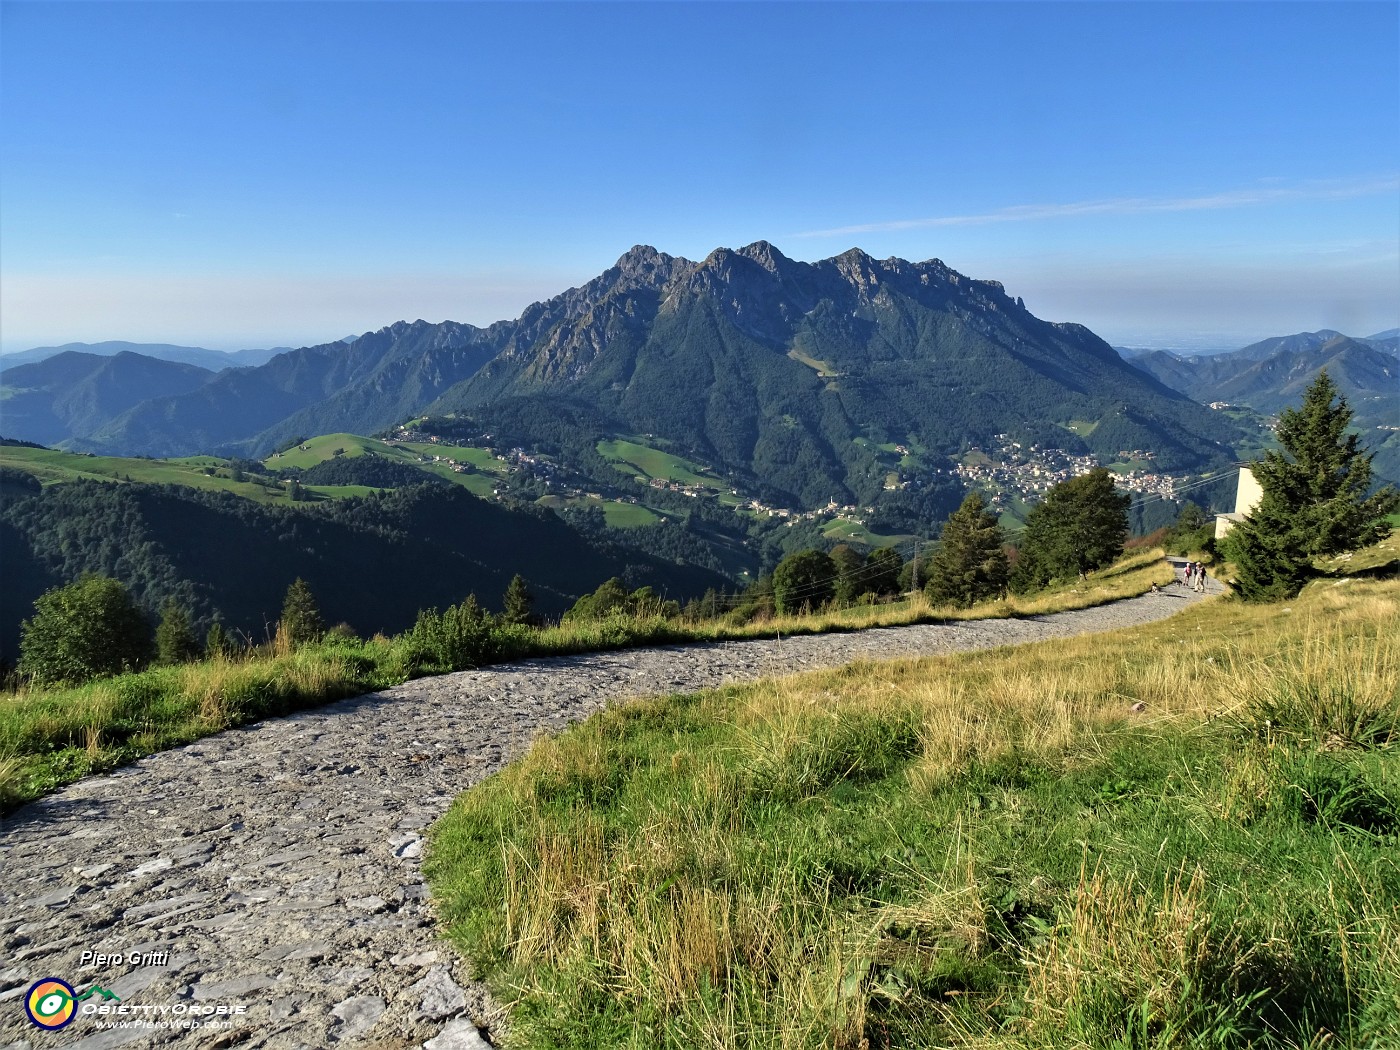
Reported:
(74, 393)
(784, 373)
(1272, 374)
(1387, 340)
(214, 360)
(362, 387)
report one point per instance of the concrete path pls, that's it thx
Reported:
(265, 883)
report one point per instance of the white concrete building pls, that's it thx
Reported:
(1247, 497)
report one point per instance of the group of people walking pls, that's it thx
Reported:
(1194, 576)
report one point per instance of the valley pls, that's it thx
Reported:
(682, 421)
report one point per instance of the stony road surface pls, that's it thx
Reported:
(275, 870)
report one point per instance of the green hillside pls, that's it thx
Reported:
(653, 463)
(327, 446)
(1178, 836)
(372, 562)
(616, 514)
(216, 474)
(54, 467)
(437, 460)
(846, 531)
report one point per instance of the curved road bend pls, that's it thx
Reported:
(274, 870)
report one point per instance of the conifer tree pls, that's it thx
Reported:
(217, 642)
(301, 619)
(1315, 498)
(519, 602)
(175, 640)
(970, 564)
(710, 604)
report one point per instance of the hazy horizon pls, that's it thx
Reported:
(237, 176)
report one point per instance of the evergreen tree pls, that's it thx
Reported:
(970, 564)
(175, 640)
(710, 605)
(850, 575)
(217, 642)
(301, 619)
(85, 630)
(1079, 526)
(1192, 531)
(805, 580)
(519, 602)
(1315, 498)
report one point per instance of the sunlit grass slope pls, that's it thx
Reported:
(1183, 835)
(331, 446)
(51, 466)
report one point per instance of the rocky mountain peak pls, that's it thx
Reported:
(765, 254)
(859, 269)
(644, 261)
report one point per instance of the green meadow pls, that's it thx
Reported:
(1181, 835)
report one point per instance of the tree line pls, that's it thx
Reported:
(93, 628)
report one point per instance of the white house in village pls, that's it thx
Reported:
(1247, 497)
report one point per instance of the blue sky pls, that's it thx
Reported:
(253, 174)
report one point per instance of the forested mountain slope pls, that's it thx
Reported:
(1272, 374)
(363, 386)
(781, 370)
(372, 562)
(76, 393)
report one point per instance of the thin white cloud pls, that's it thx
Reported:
(1246, 198)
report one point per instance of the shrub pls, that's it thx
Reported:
(458, 639)
(88, 629)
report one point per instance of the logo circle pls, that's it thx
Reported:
(50, 1003)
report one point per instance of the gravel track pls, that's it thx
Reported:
(278, 866)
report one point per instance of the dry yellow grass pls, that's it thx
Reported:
(689, 907)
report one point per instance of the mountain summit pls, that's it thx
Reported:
(787, 374)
